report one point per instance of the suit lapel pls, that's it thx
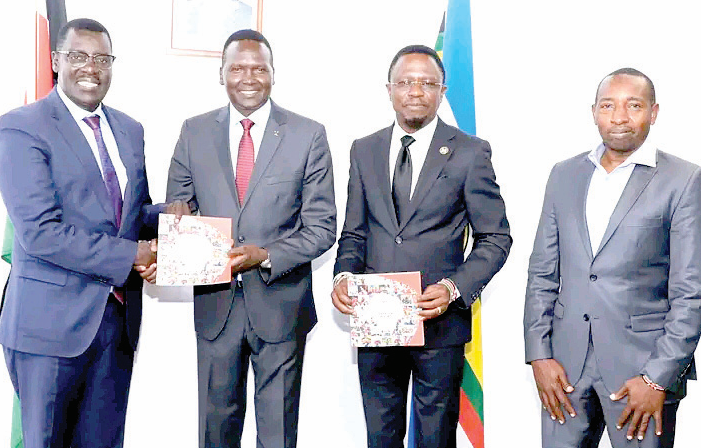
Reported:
(581, 188)
(432, 167)
(379, 169)
(75, 140)
(639, 179)
(272, 137)
(220, 143)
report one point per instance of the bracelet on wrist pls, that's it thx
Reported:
(452, 289)
(652, 384)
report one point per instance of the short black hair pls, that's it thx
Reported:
(80, 24)
(247, 35)
(630, 72)
(413, 49)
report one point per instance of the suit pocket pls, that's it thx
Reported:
(648, 322)
(43, 272)
(283, 178)
(644, 221)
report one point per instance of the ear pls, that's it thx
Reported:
(655, 110)
(221, 75)
(54, 61)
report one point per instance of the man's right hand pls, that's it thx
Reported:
(551, 380)
(340, 298)
(145, 254)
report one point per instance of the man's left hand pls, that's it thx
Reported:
(434, 301)
(643, 402)
(178, 208)
(244, 258)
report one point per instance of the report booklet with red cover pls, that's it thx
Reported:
(386, 313)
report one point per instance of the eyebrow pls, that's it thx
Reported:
(630, 98)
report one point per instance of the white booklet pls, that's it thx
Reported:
(193, 252)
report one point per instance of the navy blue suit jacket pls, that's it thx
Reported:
(68, 251)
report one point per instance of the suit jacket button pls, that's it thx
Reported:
(241, 239)
(593, 277)
(586, 318)
(398, 240)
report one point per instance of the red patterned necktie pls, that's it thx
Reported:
(109, 176)
(244, 160)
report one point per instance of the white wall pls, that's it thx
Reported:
(537, 65)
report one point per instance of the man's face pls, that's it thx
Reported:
(86, 86)
(247, 74)
(624, 112)
(415, 105)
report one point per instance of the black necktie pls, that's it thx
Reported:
(401, 184)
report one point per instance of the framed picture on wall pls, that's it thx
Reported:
(200, 27)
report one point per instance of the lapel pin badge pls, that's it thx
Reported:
(277, 133)
(444, 150)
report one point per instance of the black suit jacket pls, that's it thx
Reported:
(454, 190)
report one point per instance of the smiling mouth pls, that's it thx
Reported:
(87, 84)
(248, 92)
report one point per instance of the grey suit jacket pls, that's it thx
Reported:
(454, 190)
(289, 209)
(640, 294)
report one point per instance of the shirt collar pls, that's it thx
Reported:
(645, 155)
(259, 116)
(424, 134)
(78, 112)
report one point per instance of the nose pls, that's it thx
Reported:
(90, 65)
(415, 89)
(620, 115)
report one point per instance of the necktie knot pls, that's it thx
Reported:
(407, 140)
(93, 121)
(247, 124)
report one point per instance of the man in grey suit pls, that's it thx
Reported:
(414, 188)
(613, 303)
(270, 171)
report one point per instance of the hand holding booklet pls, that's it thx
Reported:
(386, 313)
(194, 251)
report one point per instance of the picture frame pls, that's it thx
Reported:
(200, 27)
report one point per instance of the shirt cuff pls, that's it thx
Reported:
(340, 276)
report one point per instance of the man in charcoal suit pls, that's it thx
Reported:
(414, 188)
(270, 171)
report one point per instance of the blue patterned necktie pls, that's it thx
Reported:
(109, 175)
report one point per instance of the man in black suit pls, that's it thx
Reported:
(414, 188)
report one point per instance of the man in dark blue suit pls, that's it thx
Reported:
(414, 188)
(73, 180)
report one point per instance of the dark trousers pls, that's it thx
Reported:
(596, 411)
(384, 382)
(222, 374)
(76, 402)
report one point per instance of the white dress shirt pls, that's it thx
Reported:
(417, 149)
(78, 114)
(605, 189)
(260, 120)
